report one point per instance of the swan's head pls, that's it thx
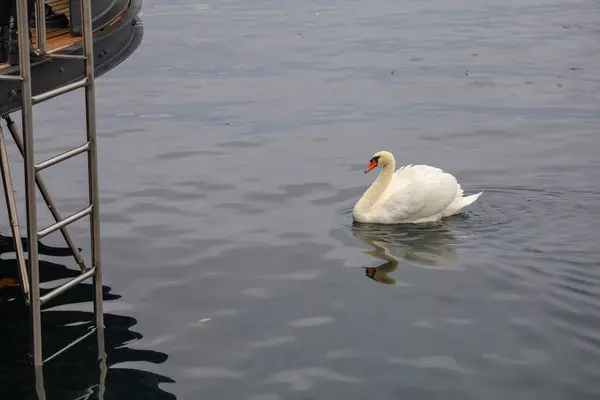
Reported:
(381, 158)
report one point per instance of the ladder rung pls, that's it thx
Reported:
(70, 345)
(67, 56)
(58, 91)
(66, 286)
(62, 157)
(10, 78)
(65, 222)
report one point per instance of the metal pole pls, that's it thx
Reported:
(27, 123)
(103, 367)
(13, 216)
(90, 111)
(46, 195)
(40, 24)
(39, 382)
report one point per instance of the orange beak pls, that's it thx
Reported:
(370, 272)
(372, 165)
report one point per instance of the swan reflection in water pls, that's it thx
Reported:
(425, 246)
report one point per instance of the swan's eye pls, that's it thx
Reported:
(376, 159)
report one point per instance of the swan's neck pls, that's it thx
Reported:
(372, 195)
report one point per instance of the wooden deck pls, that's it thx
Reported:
(60, 7)
(56, 39)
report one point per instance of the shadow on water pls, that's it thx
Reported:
(77, 373)
(425, 246)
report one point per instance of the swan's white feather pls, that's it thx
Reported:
(417, 192)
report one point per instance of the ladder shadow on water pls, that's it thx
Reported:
(76, 373)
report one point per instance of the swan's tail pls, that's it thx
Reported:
(467, 201)
(457, 205)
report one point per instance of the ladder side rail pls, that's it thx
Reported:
(30, 192)
(13, 216)
(92, 154)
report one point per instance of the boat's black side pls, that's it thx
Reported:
(103, 13)
(119, 38)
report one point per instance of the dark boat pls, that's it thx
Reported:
(117, 34)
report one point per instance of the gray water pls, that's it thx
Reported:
(232, 146)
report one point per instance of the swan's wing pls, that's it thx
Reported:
(402, 201)
(441, 189)
(418, 191)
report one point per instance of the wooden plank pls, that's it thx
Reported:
(62, 4)
(56, 38)
(59, 6)
(52, 33)
(61, 10)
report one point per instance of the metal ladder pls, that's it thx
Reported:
(29, 270)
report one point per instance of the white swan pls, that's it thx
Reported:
(413, 194)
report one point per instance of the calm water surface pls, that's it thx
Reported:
(232, 148)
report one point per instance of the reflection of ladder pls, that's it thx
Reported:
(29, 272)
